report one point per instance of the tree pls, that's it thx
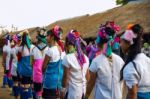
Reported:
(122, 2)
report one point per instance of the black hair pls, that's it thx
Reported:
(134, 49)
(51, 33)
(110, 32)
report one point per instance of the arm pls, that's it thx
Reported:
(4, 58)
(64, 82)
(91, 83)
(65, 77)
(46, 60)
(132, 93)
(87, 75)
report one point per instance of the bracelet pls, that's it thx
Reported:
(63, 89)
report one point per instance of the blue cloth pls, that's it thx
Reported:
(24, 68)
(143, 95)
(53, 73)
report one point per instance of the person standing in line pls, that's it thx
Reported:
(52, 66)
(76, 65)
(24, 66)
(6, 62)
(105, 68)
(16, 41)
(135, 72)
(38, 54)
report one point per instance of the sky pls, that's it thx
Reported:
(31, 13)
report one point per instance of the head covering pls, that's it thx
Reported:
(129, 27)
(42, 35)
(26, 39)
(128, 36)
(107, 33)
(15, 38)
(57, 31)
(7, 39)
(74, 38)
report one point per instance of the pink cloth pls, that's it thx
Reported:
(37, 70)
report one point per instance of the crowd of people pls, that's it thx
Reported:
(51, 68)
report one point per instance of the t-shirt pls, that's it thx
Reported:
(54, 54)
(7, 49)
(14, 61)
(107, 85)
(54, 70)
(77, 76)
(37, 54)
(141, 76)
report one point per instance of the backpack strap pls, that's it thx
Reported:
(134, 64)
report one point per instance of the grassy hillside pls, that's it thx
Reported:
(88, 25)
(123, 15)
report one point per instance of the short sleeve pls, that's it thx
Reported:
(93, 67)
(49, 52)
(4, 49)
(130, 75)
(65, 62)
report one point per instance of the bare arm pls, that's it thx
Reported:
(87, 75)
(91, 83)
(4, 58)
(132, 93)
(65, 77)
(46, 60)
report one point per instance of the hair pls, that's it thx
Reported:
(24, 42)
(134, 49)
(109, 31)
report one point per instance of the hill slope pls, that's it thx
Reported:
(123, 15)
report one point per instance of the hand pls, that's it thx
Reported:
(62, 95)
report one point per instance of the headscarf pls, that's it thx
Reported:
(42, 36)
(7, 39)
(129, 36)
(15, 38)
(74, 38)
(105, 34)
(26, 39)
(57, 32)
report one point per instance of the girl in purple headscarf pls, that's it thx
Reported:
(75, 68)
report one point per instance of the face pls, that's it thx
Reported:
(49, 39)
(124, 45)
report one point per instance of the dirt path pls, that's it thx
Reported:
(4, 92)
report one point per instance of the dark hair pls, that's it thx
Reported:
(110, 32)
(50, 33)
(135, 48)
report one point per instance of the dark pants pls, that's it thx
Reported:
(51, 94)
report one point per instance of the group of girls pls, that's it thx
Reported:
(53, 69)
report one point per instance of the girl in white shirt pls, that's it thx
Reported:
(76, 65)
(136, 69)
(38, 54)
(6, 60)
(15, 40)
(105, 68)
(52, 66)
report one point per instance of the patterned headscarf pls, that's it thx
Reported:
(26, 39)
(42, 36)
(129, 36)
(107, 35)
(74, 38)
(57, 32)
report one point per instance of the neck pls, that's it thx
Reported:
(53, 43)
(71, 49)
